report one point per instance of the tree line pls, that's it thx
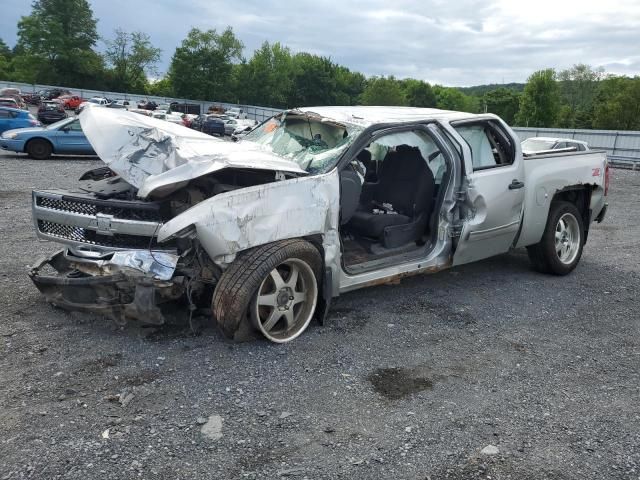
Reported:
(57, 48)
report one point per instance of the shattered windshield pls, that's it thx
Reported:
(313, 142)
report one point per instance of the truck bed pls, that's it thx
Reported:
(550, 173)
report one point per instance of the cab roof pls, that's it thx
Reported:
(366, 116)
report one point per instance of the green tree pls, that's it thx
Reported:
(504, 102)
(540, 101)
(314, 81)
(383, 91)
(448, 98)
(132, 57)
(578, 87)
(617, 106)
(160, 88)
(267, 78)
(418, 93)
(202, 65)
(56, 39)
(349, 86)
(5, 58)
(5, 51)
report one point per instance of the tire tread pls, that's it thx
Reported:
(240, 280)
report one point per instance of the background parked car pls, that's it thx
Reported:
(51, 93)
(147, 105)
(213, 125)
(188, 118)
(9, 102)
(31, 98)
(196, 123)
(14, 94)
(238, 125)
(93, 102)
(164, 107)
(533, 145)
(174, 118)
(235, 112)
(11, 118)
(71, 102)
(192, 108)
(51, 111)
(119, 103)
(64, 137)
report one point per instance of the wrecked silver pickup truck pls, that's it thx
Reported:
(312, 203)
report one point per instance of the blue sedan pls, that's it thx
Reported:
(11, 118)
(63, 137)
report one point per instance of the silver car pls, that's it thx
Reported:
(312, 203)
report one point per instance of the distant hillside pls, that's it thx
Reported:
(480, 90)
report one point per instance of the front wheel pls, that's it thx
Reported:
(39, 149)
(271, 289)
(560, 248)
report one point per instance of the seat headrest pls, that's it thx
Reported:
(408, 152)
(364, 156)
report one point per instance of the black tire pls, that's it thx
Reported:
(240, 282)
(544, 255)
(39, 149)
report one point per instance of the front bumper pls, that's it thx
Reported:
(125, 290)
(12, 145)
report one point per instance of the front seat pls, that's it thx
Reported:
(407, 184)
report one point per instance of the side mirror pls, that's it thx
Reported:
(65, 129)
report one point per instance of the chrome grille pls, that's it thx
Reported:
(68, 232)
(91, 237)
(66, 205)
(89, 208)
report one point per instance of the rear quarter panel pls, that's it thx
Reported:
(549, 174)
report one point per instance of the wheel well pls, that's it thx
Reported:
(580, 196)
(26, 145)
(316, 241)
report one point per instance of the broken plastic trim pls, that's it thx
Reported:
(118, 295)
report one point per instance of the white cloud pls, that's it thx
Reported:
(466, 42)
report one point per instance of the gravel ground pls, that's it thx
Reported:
(410, 381)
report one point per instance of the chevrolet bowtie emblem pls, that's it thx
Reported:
(103, 223)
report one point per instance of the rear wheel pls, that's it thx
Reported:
(560, 248)
(39, 149)
(272, 289)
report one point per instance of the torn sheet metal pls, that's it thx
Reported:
(150, 153)
(158, 265)
(94, 285)
(234, 221)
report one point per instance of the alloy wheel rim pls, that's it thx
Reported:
(285, 301)
(567, 238)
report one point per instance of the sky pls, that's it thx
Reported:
(461, 43)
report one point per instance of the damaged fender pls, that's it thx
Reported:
(235, 221)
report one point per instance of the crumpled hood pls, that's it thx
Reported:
(153, 154)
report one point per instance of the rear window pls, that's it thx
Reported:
(490, 146)
(50, 106)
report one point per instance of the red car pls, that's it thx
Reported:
(70, 102)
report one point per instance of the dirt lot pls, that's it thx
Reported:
(409, 381)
